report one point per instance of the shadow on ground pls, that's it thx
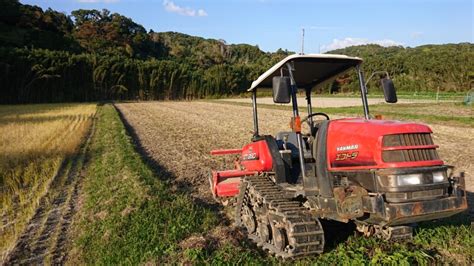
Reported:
(161, 172)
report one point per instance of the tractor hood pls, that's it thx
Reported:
(374, 144)
(310, 70)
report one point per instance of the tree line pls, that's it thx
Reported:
(39, 75)
(426, 68)
(91, 55)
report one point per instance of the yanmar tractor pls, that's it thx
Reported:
(383, 175)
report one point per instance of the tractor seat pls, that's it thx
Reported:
(316, 126)
(292, 144)
(314, 130)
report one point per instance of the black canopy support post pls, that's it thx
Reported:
(299, 138)
(310, 183)
(255, 116)
(363, 92)
(309, 106)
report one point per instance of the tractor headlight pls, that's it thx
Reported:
(439, 177)
(411, 179)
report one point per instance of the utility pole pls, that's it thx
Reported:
(302, 41)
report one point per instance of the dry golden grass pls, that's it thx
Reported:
(35, 140)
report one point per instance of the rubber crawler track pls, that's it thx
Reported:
(303, 233)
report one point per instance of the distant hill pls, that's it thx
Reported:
(48, 56)
(210, 51)
(423, 68)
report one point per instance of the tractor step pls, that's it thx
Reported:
(399, 233)
(395, 233)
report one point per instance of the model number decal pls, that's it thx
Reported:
(249, 156)
(347, 156)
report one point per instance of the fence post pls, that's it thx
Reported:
(437, 95)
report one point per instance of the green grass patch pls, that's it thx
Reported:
(445, 241)
(129, 214)
(448, 241)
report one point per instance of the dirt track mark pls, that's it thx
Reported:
(45, 238)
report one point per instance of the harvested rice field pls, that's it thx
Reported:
(39, 146)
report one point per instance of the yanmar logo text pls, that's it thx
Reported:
(348, 147)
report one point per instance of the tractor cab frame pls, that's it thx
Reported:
(307, 72)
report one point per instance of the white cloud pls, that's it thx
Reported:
(170, 6)
(416, 34)
(346, 42)
(202, 13)
(97, 1)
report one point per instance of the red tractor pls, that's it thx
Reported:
(383, 175)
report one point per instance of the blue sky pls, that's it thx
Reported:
(272, 24)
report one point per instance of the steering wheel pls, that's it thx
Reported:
(315, 114)
(314, 128)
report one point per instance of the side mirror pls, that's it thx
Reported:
(389, 90)
(281, 89)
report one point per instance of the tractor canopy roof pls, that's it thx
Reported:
(310, 70)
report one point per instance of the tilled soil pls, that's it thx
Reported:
(45, 239)
(178, 136)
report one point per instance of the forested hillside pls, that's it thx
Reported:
(421, 69)
(90, 55)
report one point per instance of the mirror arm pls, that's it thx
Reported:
(309, 106)
(299, 138)
(255, 117)
(373, 74)
(363, 92)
